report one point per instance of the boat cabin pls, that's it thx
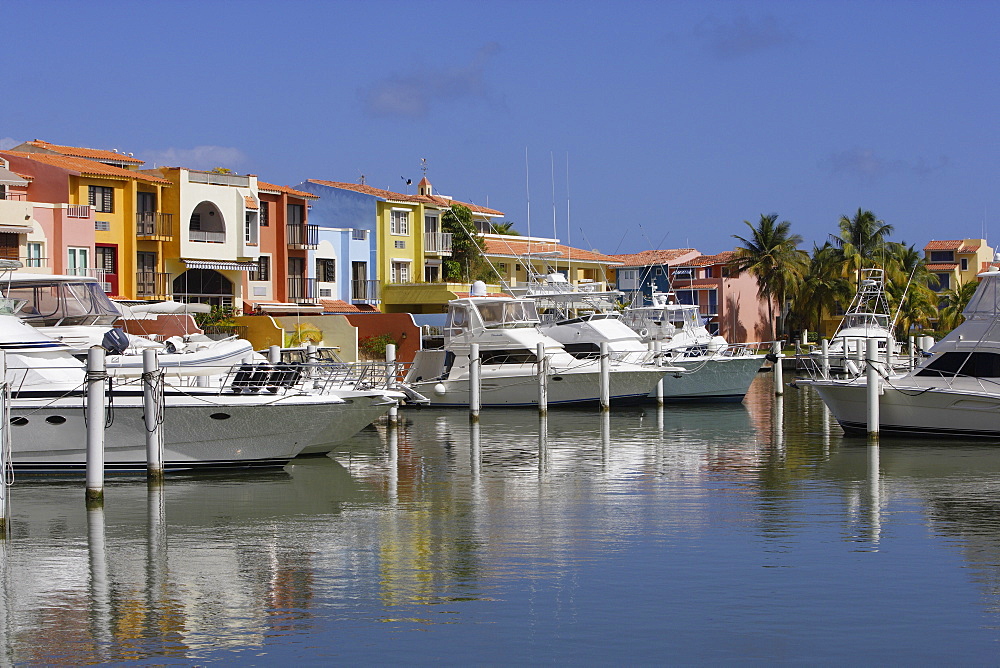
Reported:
(51, 301)
(477, 313)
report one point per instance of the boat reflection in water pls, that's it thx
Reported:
(518, 536)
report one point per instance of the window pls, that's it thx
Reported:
(431, 273)
(106, 258)
(263, 270)
(326, 270)
(399, 222)
(34, 258)
(196, 222)
(78, 260)
(101, 198)
(400, 244)
(708, 272)
(502, 267)
(400, 272)
(944, 282)
(942, 256)
(296, 214)
(431, 224)
(251, 228)
(359, 235)
(265, 214)
(965, 264)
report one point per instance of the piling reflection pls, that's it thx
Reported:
(437, 512)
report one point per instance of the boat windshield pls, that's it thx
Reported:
(985, 303)
(512, 313)
(865, 321)
(64, 303)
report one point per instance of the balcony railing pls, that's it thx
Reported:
(219, 179)
(437, 242)
(152, 285)
(92, 272)
(35, 262)
(78, 210)
(15, 197)
(207, 237)
(303, 236)
(302, 290)
(365, 291)
(154, 224)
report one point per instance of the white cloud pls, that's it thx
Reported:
(199, 157)
(743, 35)
(8, 142)
(866, 164)
(412, 95)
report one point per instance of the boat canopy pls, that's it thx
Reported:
(491, 313)
(985, 303)
(50, 303)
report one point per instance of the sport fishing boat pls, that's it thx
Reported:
(867, 317)
(506, 330)
(713, 368)
(954, 391)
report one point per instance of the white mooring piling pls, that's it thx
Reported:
(96, 415)
(657, 349)
(475, 367)
(152, 413)
(874, 384)
(5, 444)
(605, 381)
(543, 379)
(390, 379)
(779, 381)
(824, 348)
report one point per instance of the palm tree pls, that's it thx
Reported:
(956, 300)
(909, 287)
(862, 240)
(770, 255)
(823, 285)
(506, 227)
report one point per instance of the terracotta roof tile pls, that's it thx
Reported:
(708, 260)
(972, 248)
(951, 244)
(278, 190)
(942, 267)
(80, 152)
(85, 166)
(391, 196)
(514, 247)
(338, 306)
(250, 202)
(649, 257)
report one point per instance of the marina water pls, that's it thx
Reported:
(695, 534)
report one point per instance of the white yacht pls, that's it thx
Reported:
(714, 369)
(867, 317)
(506, 330)
(954, 391)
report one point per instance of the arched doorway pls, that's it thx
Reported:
(203, 286)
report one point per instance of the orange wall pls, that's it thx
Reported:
(399, 325)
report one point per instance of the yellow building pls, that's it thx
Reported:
(125, 205)
(957, 261)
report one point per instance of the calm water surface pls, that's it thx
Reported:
(699, 534)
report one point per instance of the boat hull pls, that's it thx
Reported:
(358, 411)
(565, 388)
(199, 431)
(711, 379)
(914, 410)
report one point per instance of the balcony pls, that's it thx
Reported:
(213, 179)
(302, 290)
(303, 237)
(15, 197)
(154, 225)
(78, 211)
(207, 237)
(365, 291)
(438, 243)
(152, 285)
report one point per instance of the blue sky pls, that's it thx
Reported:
(671, 122)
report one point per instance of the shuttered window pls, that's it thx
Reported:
(101, 198)
(8, 246)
